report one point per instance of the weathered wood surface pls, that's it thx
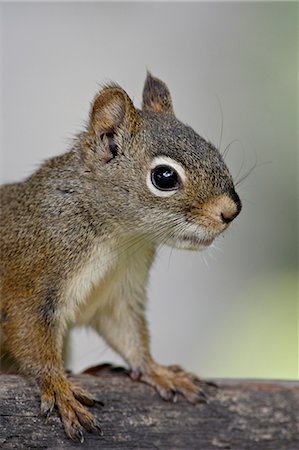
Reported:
(239, 415)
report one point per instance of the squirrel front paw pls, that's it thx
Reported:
(172, 380)
(69, 400)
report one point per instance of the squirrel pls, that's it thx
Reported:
(79, 236)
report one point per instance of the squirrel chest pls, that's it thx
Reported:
(111, 274)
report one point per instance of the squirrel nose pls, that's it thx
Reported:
(232, 209)
(227, 216)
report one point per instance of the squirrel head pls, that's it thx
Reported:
(154, 175)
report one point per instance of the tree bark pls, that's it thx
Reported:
(239, 415)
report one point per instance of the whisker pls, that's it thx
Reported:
(170, 255)
(203, 257)
(255, 166)
(243, 160)
(227, 148)
(222, 121)
(249, 171)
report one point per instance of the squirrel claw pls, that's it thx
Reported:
(98, 427)
(168, 394)
(76, 434)
(202, 393)
(202, 382)
(98, 402)
(74, 431)
(47, 405)
(81, 436)
(212, 384)
(175, 397)
(202, 397)
(46, 415)
(83, 396)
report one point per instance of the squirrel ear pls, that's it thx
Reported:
(156, 96)
(112, 108)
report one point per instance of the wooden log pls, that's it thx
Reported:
(239, 415)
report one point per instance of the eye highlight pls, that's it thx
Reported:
(165, 177)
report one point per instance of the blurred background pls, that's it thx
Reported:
(231, 311)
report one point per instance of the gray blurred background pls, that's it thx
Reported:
(232, 310)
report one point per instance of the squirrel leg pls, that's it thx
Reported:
(37, 347)
(127, 334)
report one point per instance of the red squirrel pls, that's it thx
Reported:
(78, 238)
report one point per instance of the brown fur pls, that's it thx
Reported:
(78, 238)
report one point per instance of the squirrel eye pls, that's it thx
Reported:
(165, 178)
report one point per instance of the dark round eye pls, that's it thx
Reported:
(165, 178)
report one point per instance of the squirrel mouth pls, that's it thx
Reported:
(196, 241)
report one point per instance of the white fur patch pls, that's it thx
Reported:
(96, 268)
(194, 237)
(111, 273)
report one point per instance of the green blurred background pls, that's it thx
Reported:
(233, 310)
